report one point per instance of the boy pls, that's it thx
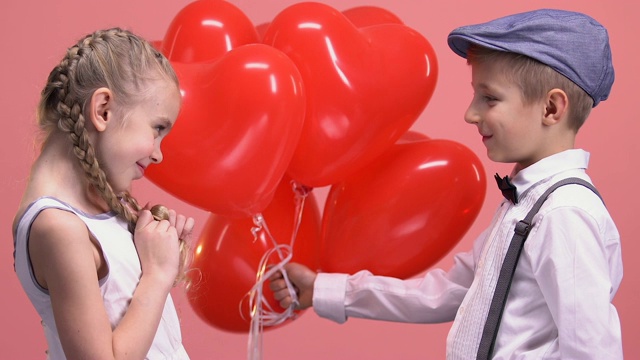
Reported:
(535, 76)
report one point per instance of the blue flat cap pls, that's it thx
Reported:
(573, 44)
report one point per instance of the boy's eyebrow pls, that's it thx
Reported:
(482, 85)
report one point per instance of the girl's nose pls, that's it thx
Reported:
(156, 156)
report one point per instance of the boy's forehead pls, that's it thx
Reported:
(487, 74)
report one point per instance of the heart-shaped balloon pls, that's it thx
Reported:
(360, 16)
(226, 258)
(363, 16)
(239, 125)
(365, 87)
(411, 136)
(404, 212)
(205, 30)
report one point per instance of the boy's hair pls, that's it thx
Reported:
(115, 59)
(535, 80)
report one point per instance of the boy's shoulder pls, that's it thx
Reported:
(576, 195)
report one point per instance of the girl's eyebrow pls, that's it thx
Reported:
(166, 122)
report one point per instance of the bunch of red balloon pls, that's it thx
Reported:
(317, 97)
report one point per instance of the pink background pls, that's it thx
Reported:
(34, 35)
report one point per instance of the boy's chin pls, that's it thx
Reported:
(498, 158)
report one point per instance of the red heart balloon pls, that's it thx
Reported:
(411, 136)
(363, 16)
(227, 257)
(365, 87)
(205, 30)
(360, 16)
(239, 125)
(404, 212)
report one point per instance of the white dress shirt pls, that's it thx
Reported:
(559, 305)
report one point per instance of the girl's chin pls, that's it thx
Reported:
(122, 189)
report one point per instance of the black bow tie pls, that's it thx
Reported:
(507, 188)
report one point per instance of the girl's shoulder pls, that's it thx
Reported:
(47, 216)
(47, 230)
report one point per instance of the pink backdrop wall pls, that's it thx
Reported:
(34, 34)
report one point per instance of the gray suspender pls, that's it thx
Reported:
(509, 267)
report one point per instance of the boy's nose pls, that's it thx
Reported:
(471, 116)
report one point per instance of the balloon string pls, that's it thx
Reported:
(262, 313)
(301, 192)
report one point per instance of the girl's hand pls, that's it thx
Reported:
(184, 225)
(158, 247)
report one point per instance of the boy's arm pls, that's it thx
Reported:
(433, 298)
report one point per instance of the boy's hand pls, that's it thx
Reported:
(302, 279)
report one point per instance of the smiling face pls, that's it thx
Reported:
(511, 130)
(130, 143)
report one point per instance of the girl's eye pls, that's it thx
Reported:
(160, 129)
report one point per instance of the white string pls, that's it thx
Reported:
(262, 313)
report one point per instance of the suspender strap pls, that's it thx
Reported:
(509, 267)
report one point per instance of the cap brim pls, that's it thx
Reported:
(460, 43)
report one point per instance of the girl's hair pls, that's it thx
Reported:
(535, 80)
(115, 59)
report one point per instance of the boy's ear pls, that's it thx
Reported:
(100, 108)
(556, 106)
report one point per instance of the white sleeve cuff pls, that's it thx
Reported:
(329, 292)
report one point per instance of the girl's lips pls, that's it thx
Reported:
(141, 168)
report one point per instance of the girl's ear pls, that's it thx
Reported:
(100, 108)
(556, 106)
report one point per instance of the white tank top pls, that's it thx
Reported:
(117, 286)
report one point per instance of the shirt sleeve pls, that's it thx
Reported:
(433, 298)
(578, 266)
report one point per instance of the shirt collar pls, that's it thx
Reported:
(549, 166)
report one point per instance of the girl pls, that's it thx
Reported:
(97, 267)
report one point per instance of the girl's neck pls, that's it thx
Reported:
(58, 173)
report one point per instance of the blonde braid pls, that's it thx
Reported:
(72, 121)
